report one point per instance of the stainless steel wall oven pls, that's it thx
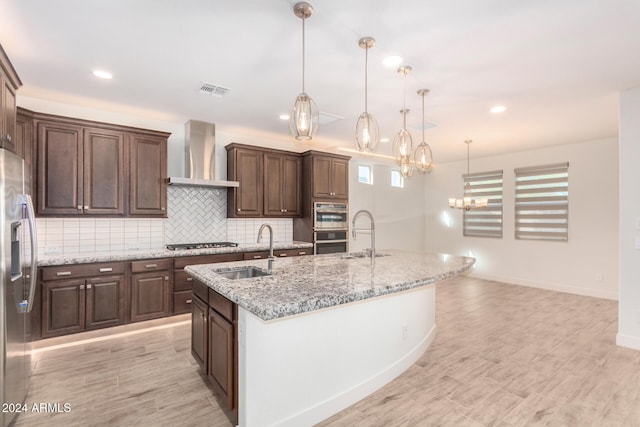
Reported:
(330, 227)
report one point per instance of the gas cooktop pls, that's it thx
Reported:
(182, 246)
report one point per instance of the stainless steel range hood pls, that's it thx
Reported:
(200, 155)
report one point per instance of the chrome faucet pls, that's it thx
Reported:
(271, 257)
(372, 229)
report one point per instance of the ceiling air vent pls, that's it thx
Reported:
(213, 90)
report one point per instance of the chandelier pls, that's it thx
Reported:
(467, 202)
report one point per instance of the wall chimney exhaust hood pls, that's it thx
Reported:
(200, 155)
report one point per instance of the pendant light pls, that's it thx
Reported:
(367, 135)
(467, 203)
(304, 116)
(402, 142)
(423, 156)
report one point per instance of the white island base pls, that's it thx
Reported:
(300, 370)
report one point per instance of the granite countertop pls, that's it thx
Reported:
(309, 283)
(90, 257)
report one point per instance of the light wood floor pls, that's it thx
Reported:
(504, 355)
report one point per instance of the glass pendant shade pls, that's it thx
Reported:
(423, 156)
(406, 167)
(367, 135)
(402, 147)
(304, 118)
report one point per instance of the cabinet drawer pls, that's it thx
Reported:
(201, 290)
(182, 302)
(82, 270)
(221, 305)
(292, 252)
(256, 255)
(182, 281)
(150, 265)
(182, 262)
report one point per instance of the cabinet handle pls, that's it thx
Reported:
(283, 254)
(162, 209)
(302, 253)
(88, 286)
(86, 207)
(188, 301)
(166, 278)
(63, 273)
(79, 207)
(106, 270)
(257, 256)
(82, 287)
(189, 279)
(151, 266)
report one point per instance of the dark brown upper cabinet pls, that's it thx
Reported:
(282, 184)
(148, 175)
(326, 175)
(25, 146)
(9, 82)
(244, 164)
(80, 170)
(92, 168)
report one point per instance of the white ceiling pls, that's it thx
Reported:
(557, 65)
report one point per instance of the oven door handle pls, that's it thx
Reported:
(330, 241)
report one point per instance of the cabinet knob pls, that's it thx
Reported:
(86, 207)
(82, 287)
(79, 207)
(166, 278)
(238, 209)
(285, 210)
(89, 286)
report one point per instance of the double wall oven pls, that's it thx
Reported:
(330, 227)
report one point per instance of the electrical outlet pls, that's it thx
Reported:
(599, 277)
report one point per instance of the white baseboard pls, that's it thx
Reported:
(558, 287)
(628, 342)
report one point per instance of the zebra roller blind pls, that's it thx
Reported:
(542, 202)
(484, 222)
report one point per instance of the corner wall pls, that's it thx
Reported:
(629, 231)
(586, 264)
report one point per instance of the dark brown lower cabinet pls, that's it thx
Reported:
(150, 295)
(199, 331)
(214, 344)
(70, 306)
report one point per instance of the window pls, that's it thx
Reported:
(484, 222)
(397, 180)
(542, 202)
(365, 175)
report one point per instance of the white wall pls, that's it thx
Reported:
(629, 232)
(398, 212)
(586, 264)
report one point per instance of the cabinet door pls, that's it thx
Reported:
(103, 172)
(247, 170)
(150, 296)
(24, 148)
(63, 307)
(221, 356)
(199, 332)
(105, 302)
(340, 178)
(8, 119)
(273, 184)
(59, 168)
(321, 177)
(292, 185)
(148, 173)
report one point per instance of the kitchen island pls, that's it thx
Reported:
(322, 332)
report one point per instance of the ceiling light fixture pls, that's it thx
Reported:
(366, 127)
(498, 109)
(284, 117)
(303, 120)
(423, 156)
(467, 203)
(103, 74)
(403, 143)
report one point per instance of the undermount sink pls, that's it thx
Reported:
(364, 254)
(242, 273)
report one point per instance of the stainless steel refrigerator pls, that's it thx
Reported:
(18, 273)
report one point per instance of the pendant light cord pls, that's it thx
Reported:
(366, 62)
(404, 102)
(303, 19)
(422, 116)
(468, 144)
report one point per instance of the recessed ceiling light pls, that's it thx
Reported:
(284, 117)
(392, 61)
(102, 74)
(498, 109)
(384, 139)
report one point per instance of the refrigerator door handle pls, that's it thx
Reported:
(33, 274)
